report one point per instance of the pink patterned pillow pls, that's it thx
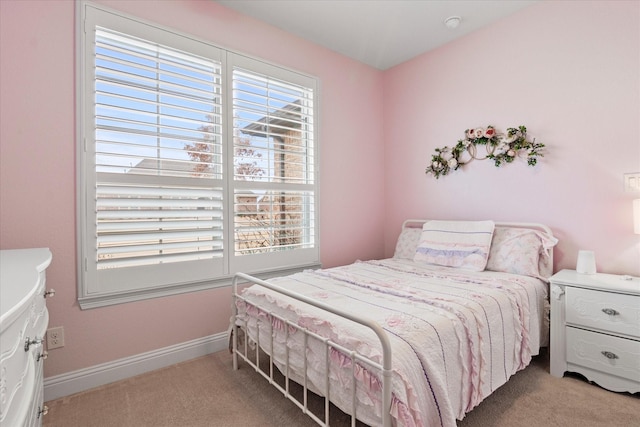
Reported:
(407, 243)
(521, 251)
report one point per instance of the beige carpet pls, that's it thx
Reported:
(207, 392)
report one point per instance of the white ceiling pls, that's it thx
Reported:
(376, 32)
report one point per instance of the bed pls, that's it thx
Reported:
(418, 339)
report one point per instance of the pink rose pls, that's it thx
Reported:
(470, 133)
(490, 132)
(479, 132)
(395, 321)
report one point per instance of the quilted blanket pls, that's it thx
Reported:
(456, 335)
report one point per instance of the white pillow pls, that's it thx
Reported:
(458, 244)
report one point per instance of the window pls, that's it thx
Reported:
(195, 163)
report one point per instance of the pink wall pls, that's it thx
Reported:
(37, 163)
(570, 72)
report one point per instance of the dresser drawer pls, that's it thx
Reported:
(605, 353)
(606, 311)
(37, 408)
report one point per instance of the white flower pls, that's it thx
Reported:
(436, 165)
(500, 148)
(479, 133)
(511, 153)
(452, 163)
(509, 139)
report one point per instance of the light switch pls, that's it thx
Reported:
(632, 182)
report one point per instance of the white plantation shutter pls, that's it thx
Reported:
(194, 163)
(142, 225)
(151, 102)
(153, 158)
(268, 221)
(274, 163)
(159, 200)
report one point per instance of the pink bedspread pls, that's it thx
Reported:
(456, 335)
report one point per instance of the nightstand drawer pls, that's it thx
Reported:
(616, 313)
(605, 353)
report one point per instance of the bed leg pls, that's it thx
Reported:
(386, 397)
(234, 350)
(234, 327)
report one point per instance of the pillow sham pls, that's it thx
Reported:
(458, 244)
(521, 251)
(407, 243)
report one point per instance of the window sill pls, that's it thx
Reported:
(104, 300)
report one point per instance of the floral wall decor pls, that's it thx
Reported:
(502, 148)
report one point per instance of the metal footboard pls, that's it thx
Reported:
(252, 357)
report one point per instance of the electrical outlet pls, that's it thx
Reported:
(55, 337)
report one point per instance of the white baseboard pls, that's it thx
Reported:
(94, 376)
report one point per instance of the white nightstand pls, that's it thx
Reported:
(595, 328)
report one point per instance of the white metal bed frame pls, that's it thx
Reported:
(385, 367)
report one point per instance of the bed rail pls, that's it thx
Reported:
(384, 368)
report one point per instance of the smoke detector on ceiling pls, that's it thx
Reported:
(452, 22)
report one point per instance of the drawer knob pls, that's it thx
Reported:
(43, 411)
(29, 342)
(609, 355)
(610, 311)
(50, 293)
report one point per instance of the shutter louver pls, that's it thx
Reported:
(273, 221)
(148, 225)
(158, 153)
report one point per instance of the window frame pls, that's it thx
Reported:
(91, 294)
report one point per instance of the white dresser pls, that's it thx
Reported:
(595, 328)
(23, 325)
